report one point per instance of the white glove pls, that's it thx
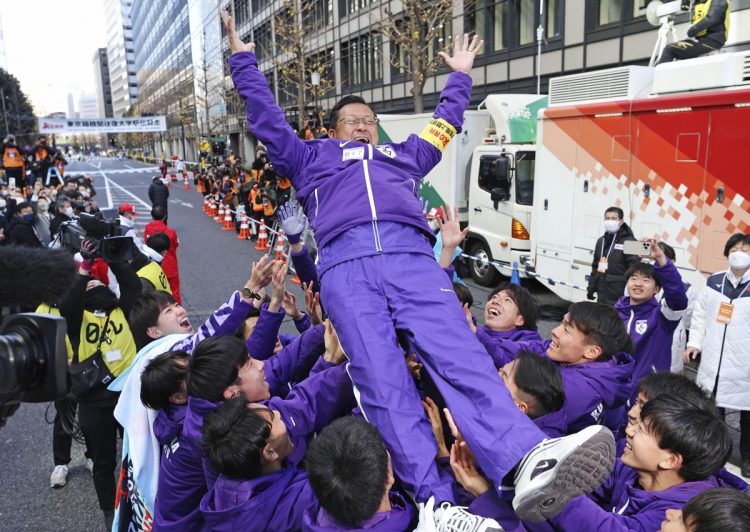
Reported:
(426, 516)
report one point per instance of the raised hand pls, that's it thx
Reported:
(450, 229)
(464, 52)
(235, 43)
(312, 303)
(290, 306)
(433, 414)
(292, 221)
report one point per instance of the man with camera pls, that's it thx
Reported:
(41, 156)
(708, 31)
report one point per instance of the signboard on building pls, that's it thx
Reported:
(145, 124)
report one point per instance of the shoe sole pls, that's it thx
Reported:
(582, 471)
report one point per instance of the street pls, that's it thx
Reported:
(213, 263)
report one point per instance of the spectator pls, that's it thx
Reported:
(42, 221)
(169, 264)
(714, 510)
(707, 33)
(13, 160)
(607, 280)
(21, 230)
(41, 155)
(63, 213)
(719, 332)
(158, 193)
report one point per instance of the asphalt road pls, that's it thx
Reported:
(213, 263)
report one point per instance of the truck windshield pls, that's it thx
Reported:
(525, 177)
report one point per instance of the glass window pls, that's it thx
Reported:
(525, 161)
(361, 60)
(552, 16)
(609, 11)
(490, 167)
(527, 14)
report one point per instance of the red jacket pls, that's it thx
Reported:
(169, 264)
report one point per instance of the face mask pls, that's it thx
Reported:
(611, 226)
(27, 217)
(739, 260)
(69, 212)
(3, 203)
(43, 207)
(85, 193)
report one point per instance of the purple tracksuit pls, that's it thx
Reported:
(277, 501)
(262, 341)
(399, 518)
(492, 341)
(168, 423)
(305, 268)
(294, 362)
(378, 275)
(651, 325)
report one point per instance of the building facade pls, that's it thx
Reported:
(103, 87)
(121, 55)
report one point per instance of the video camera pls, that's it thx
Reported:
(110, 245)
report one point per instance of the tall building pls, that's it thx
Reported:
(72, 111)
(103, 88)
(121, 56)
(164, 71)
(87, 106)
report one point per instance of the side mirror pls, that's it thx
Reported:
(499, 194)
(501, 168)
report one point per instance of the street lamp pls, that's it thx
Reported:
(315, 80)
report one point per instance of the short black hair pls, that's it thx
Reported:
(654, 385)
(668, 251)
(737, 238)
(145, 314)
(602, 326)
(718, 510)
(214, 366)
(22, 205)
(346, 100)
(645, 269)
(463, 294)
(159, 242)
(699, 436)
(617, 210)
(347, 465)
(158, 212)
(234, 437)
(162, 378)
(541, 380)
(526, 303)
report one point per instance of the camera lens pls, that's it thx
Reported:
(22, 357)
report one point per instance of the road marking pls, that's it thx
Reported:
(126, 191)
(180, 202)
(128, 171)
(109, 192)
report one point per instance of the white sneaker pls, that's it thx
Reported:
(90, 465)
(59, 477)
(560, 469)
(449, 518)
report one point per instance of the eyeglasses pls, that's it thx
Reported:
(354, 120)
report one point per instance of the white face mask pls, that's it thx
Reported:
(69, 212)
(739, 260)
(611, 226)
(3, 203)
(43, 207)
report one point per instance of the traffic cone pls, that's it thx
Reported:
(185, 183)
(219, 218)
(515, 277)
(228, 224)
(280, 246)
(244, 228)
(211, 208)
(262, 237)
(295, 279)
(173, 177)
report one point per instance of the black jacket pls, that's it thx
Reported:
(158, 193)
(54, 225)
(713, 24)
(22, 233)
(610, 286)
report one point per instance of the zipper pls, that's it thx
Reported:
(630, 321)
(371, 199)
(316, 203)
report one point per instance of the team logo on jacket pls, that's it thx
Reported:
(641, 326)
(387, 151)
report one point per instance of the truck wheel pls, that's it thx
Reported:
(483, 274)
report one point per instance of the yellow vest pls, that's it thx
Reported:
(44, 308)
(153, 273)
(118, 346)
(699, 13)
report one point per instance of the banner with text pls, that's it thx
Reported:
(144, 124)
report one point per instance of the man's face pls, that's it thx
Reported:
(128, 215)
(251, 381)
(508, 375)
(641, 288)
(634, 414)
(173, 319)
(501, 313)
(673, 521)
(642, 452)
(568, 344)
(279, 440)
(26, 210)
(612, 216)
(69, 187)
(355, 112)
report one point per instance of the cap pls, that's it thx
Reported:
(126, 207)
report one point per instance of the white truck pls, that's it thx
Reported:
(487, 171)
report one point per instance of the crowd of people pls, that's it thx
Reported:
(392, 408)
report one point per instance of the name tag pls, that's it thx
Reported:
(353, 153)
(619, 246)
(725, 313)
(603, 265)
(113, 356)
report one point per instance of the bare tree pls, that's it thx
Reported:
(207, 98)
(417, 34)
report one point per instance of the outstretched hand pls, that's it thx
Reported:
(235, 43)
(292, 220)
(464, 52)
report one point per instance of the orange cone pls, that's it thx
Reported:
(262, 237)
(219, 218)
(280, 247)
(295, 280)
(228, 223)
(185, 183)
(244, 227)
(174, 177)
(212, 208)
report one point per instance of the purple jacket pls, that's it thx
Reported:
(553, 425)
(651, 325)
(278, 500)
(493, 340)
(333, 178)
(182, 474)
(399, 518)
(294, 362)
(168, 423)
(305, 267)
(262, 341)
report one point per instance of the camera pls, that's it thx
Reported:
(109, 243)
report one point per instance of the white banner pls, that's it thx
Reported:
(143, 124)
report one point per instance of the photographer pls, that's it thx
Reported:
(99, 332)
(12, 159)
(41, 155)
(63, 213)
